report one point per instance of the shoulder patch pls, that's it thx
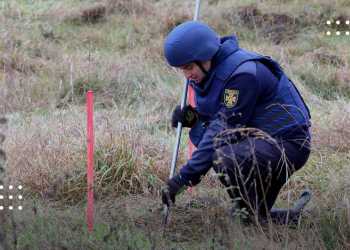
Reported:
(230, 97)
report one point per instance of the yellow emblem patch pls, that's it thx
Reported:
(230, 97)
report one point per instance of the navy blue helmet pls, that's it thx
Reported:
(190, 42)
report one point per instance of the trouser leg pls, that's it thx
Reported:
(297, 155)
(257, 170)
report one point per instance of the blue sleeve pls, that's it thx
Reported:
(232, 113)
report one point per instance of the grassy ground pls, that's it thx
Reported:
(51, 52)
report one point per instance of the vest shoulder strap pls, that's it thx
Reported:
(238, 62)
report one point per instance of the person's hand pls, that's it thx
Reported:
(173, 186)
(187, 116)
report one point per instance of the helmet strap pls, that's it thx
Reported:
(200, 65)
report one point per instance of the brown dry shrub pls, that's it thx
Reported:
(342, 75)
(47, 155)
(129, 7)
(90, 14)
(342, 26)
(98, 12)
(332, 130)
(20, 92)
(277, 27)
(93, 14)
(171, 17)
(39, 153)
(20, 63)
(250, 15)
(328, 58)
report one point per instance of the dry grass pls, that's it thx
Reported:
(331, 127)
(3, 215)
(37, 67)
(52, 51)
(47, 154)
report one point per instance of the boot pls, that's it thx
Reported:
(291, 216)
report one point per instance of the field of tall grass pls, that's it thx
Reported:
(52, 52)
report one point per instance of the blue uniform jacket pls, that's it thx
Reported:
(242, 89)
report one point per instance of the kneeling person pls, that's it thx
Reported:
(250, 122)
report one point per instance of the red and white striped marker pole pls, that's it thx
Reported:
(90, 160)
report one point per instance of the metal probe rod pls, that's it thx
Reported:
(179, 127)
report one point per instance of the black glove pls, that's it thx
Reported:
(170, 190)
(187, 116)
